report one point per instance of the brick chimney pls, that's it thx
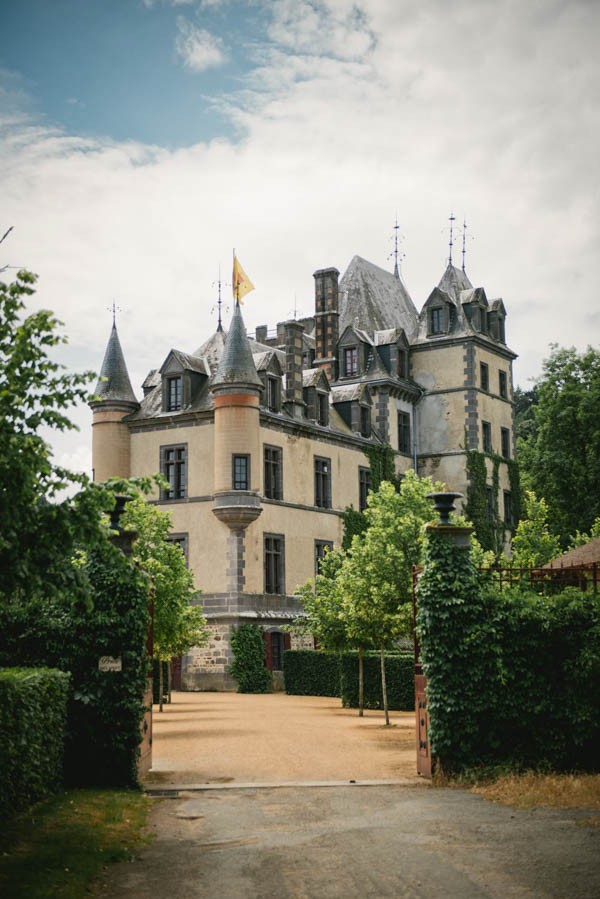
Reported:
(293, 369)
(326, 321)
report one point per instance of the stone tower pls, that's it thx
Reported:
(114, 399)
(236, 389)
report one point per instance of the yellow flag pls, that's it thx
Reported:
(241, 282)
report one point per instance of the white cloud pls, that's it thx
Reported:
(489, 109)
(197, 48)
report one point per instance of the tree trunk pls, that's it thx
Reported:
(169, 681)
(160, 685)
(361, 681)
(384, 688)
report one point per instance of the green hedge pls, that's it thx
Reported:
(310, 673)
(105, 709)
(513, 676)
(33, 714)
(249, 657)
(399, 673)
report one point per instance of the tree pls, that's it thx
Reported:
(580, 539)
(375, 578)
(533, 545)
(38, 534)
(177, 624)
(559, 452)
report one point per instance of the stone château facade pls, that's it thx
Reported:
(262, 439)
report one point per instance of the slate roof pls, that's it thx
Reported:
(114, 383)
(453, 281)
(373, 299)
(237, 365)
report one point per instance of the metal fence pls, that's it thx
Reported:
(545, 580)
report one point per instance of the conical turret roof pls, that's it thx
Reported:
(114, 383)
(453, 281)
(236, 366)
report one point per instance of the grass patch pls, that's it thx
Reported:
(532, 789)
(58, 847)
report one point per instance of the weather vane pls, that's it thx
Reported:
(396, 254)
(464, 243)
(451, 219)
(219, 303)
(114, 309)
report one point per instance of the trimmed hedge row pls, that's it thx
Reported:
(310, 673)
(399, 675)
(33, 715)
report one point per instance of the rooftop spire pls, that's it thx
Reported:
(114, 383)
(395, 253)
(237, 365)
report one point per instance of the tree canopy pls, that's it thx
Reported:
(559, 439)
(38, 534)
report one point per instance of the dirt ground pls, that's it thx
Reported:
(274, 738)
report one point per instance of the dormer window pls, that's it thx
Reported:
(402, 364)
(351, 362)
(365, 421)
(273, 394)
(436, 320)
(322, 409)
(174, 393)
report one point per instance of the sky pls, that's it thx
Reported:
(142, 140)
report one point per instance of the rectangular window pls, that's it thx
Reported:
(508, 513)
(365, 421)
(351, 362)
(364, 487)
(503, 384)
(321, 547)
(277, 647)
(436, 320)
(486, 430)
(322, 409)
(274, 563)
(404, 433)
(273, 395)
(323, 483)
(180, 540)
(273, 472)
(402, 364)
(484, 376)
(174, 393)
(174, 469)
(505, 442)
(240, 475)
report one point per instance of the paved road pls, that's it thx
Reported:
(358, 841)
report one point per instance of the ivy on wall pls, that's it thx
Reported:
(248, 666)
(490, 528)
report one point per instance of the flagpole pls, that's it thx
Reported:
(236, 287)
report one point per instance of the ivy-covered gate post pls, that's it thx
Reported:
(431, 589)
(124, 540)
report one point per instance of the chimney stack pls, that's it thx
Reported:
(293, 369)
(326, 321)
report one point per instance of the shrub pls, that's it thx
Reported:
(513, 676)
(399, 671)
(310, 673)
(33, 711)
(248, 666)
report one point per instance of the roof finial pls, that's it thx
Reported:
(464, 244)
(114, 309)
(219, 301)
(451, 219)
(396, 254)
